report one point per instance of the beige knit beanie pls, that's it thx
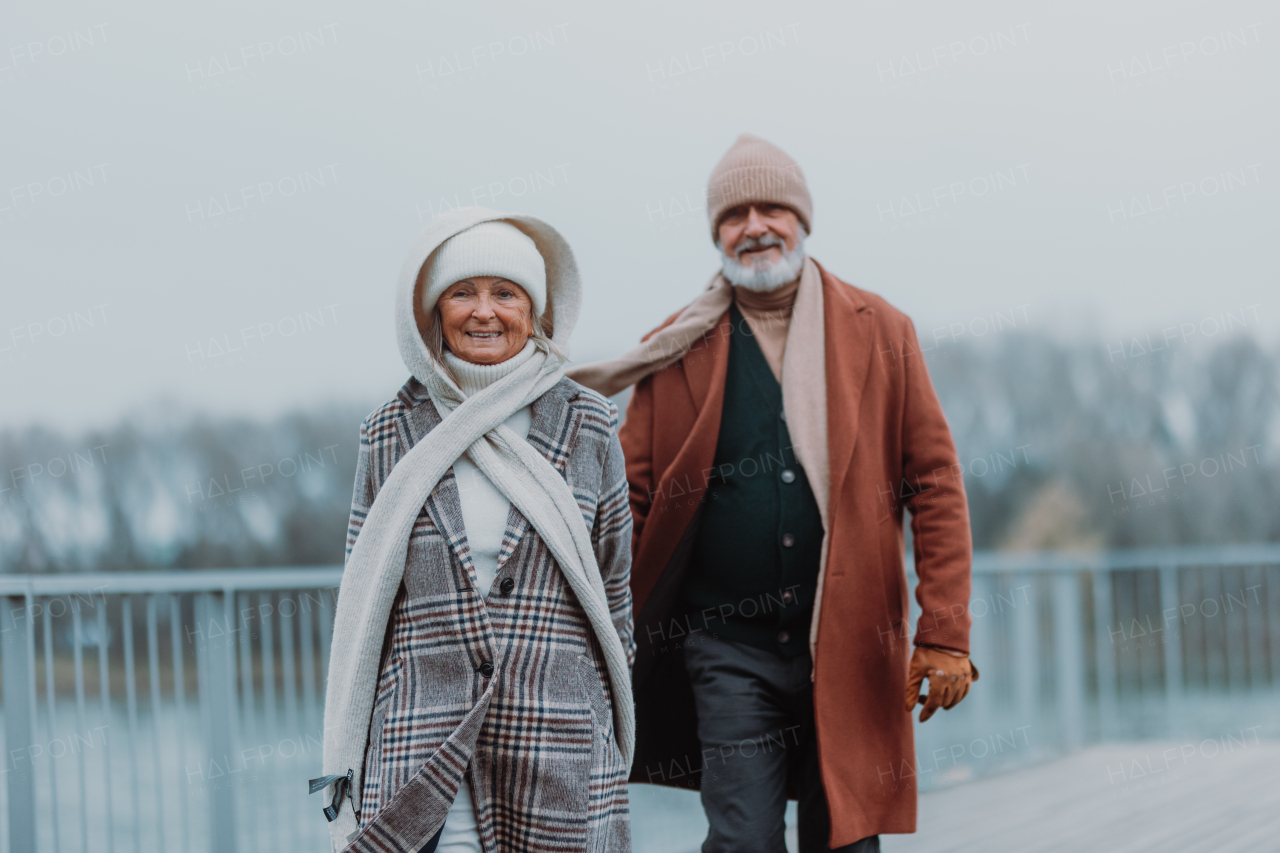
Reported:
(759, 171)
(490, 248)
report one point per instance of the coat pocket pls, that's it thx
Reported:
(594, 687)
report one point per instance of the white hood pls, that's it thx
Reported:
(564, 287)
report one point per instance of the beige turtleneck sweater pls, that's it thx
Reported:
(768, 313)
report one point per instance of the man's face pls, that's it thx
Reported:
(751, 233)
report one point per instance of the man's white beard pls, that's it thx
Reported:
(762, 277)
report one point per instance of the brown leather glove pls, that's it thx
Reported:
(949, 674)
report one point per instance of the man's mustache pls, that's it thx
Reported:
(749, 243)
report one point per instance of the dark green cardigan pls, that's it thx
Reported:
(754, 568)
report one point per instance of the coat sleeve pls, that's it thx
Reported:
(364, 493)
(611, 539)
(636, 437)
(939, 511)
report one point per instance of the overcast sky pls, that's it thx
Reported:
(209, 204)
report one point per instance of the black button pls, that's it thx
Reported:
(506, 586)
(783, 636)
(787, 597)
(485, 669)
(788, 476)
(788, 540)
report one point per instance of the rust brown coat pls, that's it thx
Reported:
(890, 449)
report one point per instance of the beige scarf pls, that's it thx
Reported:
(804, 379)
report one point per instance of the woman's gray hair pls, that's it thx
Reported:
(541, 337)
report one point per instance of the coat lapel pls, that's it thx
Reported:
(704, 368)
(444, 504)
(707, 359)
(850, 342)
(445, 508)
(552, 431)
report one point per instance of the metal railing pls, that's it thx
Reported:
(193, 730)
(182, 711)
(1174, 643)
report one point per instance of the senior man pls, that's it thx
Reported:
(779, 426)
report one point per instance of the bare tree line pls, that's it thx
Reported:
(1122, 446)
(1069, 445)
(175, 492)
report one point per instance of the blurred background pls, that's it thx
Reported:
(202, 213)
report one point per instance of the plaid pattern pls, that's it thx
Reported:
(538, 735)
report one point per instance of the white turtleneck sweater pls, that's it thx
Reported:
(484, 508)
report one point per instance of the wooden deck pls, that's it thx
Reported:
(1216, 796)
(1211, 796)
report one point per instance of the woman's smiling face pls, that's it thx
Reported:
(485, 319)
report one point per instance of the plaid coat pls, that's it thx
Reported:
(545, 772)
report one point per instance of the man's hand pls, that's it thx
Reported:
(949, 675)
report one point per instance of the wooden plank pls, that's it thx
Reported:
(1207, 795)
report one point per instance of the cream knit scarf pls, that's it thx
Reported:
(542, 496)
(804, 379)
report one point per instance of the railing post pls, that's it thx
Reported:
(1026, 651)
(1068, 654)
(216, 692)
(1271, 575)
(1255, 637)
(131, 708)
(176, 642)
(306, 645)
(1172, 646)
(19, 727)
(153, 675)
(231, 707)
(77, 658)
(982, 648)
(249, 730)
(104, 690)
(1105, 653)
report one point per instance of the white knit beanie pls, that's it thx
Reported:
(490, 248)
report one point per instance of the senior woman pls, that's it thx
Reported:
(479, 681)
